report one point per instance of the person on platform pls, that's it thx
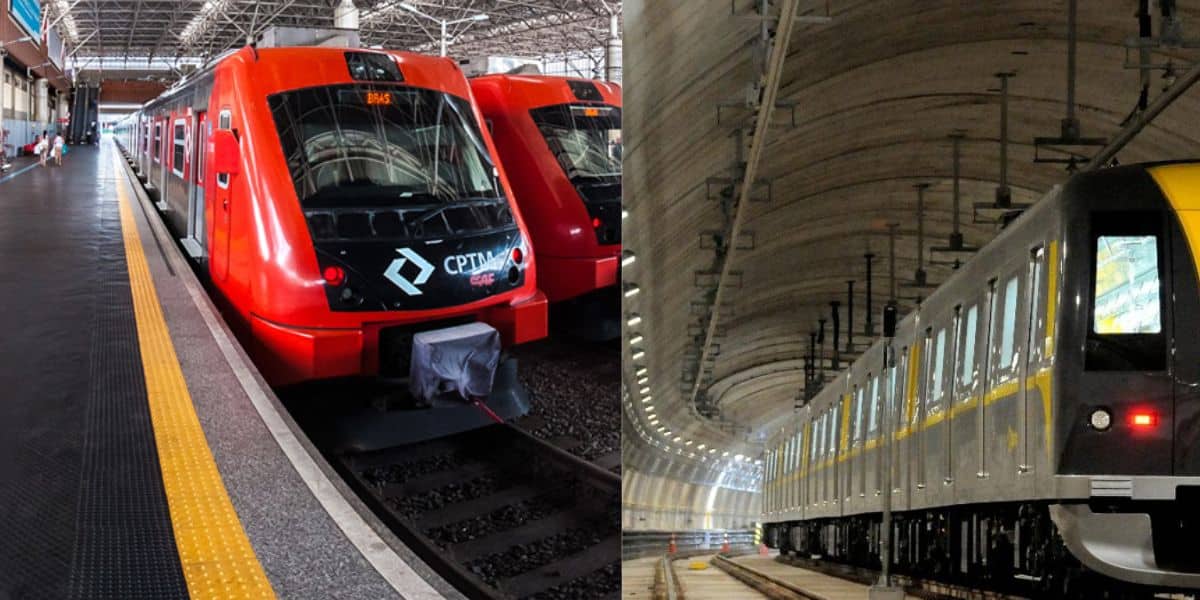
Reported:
(40, 147)
(59, 142)
(4, 164)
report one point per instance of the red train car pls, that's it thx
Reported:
(560, 140)
(339, 201)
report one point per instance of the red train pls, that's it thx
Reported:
(339, 201)
(560, 140)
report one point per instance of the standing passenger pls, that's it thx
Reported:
(58, 148)
(40, 149)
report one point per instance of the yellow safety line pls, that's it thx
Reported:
(217, 559)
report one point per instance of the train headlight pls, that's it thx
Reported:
(1101, 419)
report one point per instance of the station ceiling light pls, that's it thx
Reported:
(629, 259)
(641, 371)
(644, 381)
(636, 339)
(645, 390)
(639, 354)
(632, 290)
(634, 320)
(647, 399)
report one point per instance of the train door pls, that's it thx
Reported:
(1030, 356)
(194, 243)
(221, 210)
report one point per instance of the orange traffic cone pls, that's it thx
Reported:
(725, 545)
(671, 545)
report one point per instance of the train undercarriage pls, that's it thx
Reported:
(1012, 548)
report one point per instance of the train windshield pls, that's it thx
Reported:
(355, 145)
(586, 140)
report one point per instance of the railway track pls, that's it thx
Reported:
(498, 512)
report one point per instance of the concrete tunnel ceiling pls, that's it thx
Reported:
(877, 91)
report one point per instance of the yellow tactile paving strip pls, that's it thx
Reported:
(217, 559)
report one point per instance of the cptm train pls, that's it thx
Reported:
(560, 141)
(340, 202)
(1048, 422)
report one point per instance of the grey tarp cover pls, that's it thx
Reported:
(458, 359)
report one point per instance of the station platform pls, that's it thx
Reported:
(143, 455)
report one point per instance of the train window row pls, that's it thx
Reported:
(972, 349)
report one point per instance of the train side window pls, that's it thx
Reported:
(818, 450)
(179, 143)
(1008, 323)
(873, 423)
(966, 362)
(224, 121)
(858, 413)
(937, 380)
(158, 141)
(835, 419)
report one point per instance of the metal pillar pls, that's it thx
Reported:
(892, 227)
(345, 16)
(837, 333)
(920, 276)
(956, 236)
(849, 316)
(613, 50)
(1003, 193)
(869, 326)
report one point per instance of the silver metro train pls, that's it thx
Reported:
(1046, 412)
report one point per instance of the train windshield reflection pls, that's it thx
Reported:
(586, 140)
(354, 145)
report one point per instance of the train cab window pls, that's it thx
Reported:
(179, 144)
(1008, 324)
(966, 352)
(1126, 328)
(1126, 300)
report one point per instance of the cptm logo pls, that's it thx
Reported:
(392, 273)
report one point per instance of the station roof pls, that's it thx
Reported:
(877, 91)
(136, 32)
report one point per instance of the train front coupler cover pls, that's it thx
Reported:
(462, 381)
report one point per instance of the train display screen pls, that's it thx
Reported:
(1127, 285)
(359, 145)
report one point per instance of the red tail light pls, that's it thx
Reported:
(334, 275)
(596, 222)
(1143, 419)
(517, 255)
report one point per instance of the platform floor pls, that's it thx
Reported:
(135, 463)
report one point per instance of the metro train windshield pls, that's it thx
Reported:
(356, 145)
(586, 140)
